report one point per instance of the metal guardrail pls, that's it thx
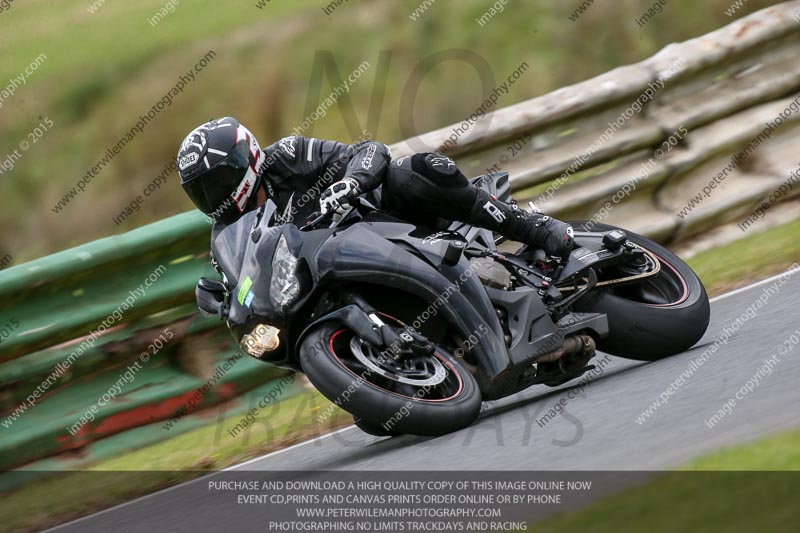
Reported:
(66, 295)
(582, 143)
(78, 320)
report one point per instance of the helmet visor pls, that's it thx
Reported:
(212, 191)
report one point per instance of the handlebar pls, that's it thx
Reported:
(317, 217)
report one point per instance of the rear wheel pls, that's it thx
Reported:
(660, 316)
(421, 395)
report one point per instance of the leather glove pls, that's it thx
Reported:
(339, 196)
(559, 239)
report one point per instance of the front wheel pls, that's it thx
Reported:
(660, 316)
(420, 395)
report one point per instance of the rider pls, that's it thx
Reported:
(226, 173)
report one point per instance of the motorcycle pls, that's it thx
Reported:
(410, 328)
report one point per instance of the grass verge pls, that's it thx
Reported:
(713, 493)
(45, 503)
(749, 259)
(779, 452)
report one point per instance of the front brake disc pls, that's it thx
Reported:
(435, 377)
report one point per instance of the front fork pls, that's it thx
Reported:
(407, 341)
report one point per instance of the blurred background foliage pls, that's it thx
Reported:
(104, 70)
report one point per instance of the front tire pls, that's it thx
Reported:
(329, 363)
(369, 429)
(663, 316)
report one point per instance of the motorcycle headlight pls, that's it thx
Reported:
(261, 340)
(284, 287)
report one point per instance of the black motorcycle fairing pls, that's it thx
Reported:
(228, 245)
(245, 251)
(358, 254)
(431, 246)
(529, 322)
(229, 242)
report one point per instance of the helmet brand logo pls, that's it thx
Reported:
(188, 160)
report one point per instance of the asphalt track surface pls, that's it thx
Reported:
(597, 430)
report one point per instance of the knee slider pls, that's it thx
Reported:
(438, 168)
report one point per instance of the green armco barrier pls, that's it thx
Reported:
(99, 305)
(26, 373)
(146, 435)
(159, 391)
(67, 295)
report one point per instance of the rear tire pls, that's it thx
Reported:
(379, 408)
(649, 331)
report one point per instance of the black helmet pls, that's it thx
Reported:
(220, 168)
